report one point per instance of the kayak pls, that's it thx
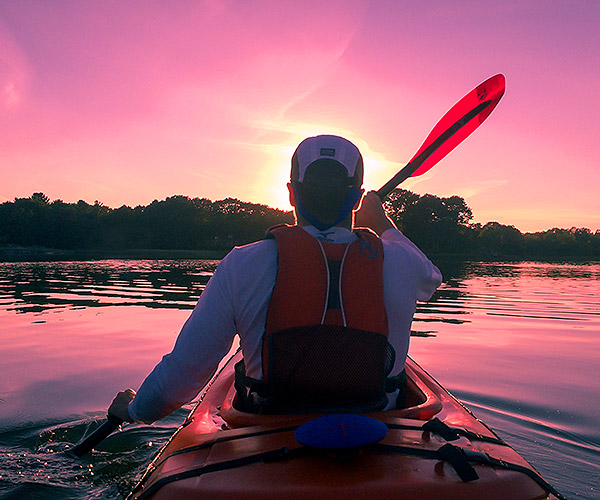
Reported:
(435, 448)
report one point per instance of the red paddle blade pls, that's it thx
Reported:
(454, 127)
(459, 122)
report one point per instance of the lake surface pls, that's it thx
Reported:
(519, 343)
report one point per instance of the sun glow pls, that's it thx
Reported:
(10, 97)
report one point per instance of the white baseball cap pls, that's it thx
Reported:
(328, 150)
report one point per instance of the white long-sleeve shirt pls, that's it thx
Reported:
(236, 300)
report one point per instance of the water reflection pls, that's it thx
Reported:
(458, 270)
(523, 289)
(38, 287)
(493, 288)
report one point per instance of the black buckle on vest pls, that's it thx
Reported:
(245, 386)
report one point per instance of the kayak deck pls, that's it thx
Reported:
(434, 449)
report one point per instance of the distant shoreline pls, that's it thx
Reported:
(16, 253)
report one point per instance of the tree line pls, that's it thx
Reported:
(176, 223)
(443, 225)
(437, 225)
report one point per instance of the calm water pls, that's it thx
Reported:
(517, 342)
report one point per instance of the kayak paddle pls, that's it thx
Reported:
(102, 432)
(453, 128)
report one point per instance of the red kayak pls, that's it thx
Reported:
(434, 448)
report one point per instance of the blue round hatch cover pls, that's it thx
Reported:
(345, 430)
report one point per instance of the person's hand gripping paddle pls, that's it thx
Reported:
(454, 127)
(117, 414)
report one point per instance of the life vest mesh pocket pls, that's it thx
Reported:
(328, 367)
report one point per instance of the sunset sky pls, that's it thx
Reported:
(130, 101)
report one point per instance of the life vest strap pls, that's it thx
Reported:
(248, 390)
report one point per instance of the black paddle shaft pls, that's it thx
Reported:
(97, 436)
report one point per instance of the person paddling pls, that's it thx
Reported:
(323, 312)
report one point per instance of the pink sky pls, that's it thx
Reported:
(130, 101)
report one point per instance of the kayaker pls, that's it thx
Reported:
(316, 305)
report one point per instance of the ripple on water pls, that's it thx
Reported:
(555, 441)
(34, 463)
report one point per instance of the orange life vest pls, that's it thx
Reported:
(325, 343)
(327, 283)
